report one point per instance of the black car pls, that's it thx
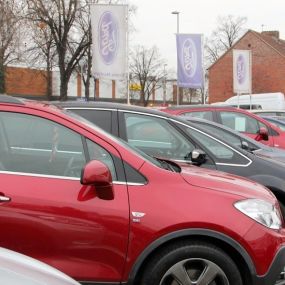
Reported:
(168, 137)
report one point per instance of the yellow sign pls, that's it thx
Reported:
(135, 87)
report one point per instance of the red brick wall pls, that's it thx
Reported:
(268, 70)
(24, 81)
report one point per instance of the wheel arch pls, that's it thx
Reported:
(275, 184)
(226, 243)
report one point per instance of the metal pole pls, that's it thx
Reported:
(177, 88)
(164, 86)
(128, 71)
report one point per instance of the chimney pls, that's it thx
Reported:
(273, 34)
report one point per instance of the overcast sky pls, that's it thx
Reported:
(155, 25)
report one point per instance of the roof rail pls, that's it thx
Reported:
(11, 100)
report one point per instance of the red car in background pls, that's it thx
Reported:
(236, 119)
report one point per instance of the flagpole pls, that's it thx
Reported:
(127, 58)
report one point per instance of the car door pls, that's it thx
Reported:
(45, 212)
(244, 123)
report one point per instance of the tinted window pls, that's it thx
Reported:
(36, 145)
(133, 176)
(207, 115)
(101, 118)
(224, 135)
(221, 152)
(156, 137)
(241, 122)
(96, 152)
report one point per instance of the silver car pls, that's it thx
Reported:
(18, 269)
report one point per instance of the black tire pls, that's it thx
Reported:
(191, 262)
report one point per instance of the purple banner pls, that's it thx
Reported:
(190, 72)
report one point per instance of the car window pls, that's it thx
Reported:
(280, 125)
(101, 118)
(96, 152)
(156, 137)
(241, 122)
(221, 152)
(207, 115)
(224, 135)
(40, 146)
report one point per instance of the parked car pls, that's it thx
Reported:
(18, 269)
(264, 100)
(263, 113)
(277, 121)
(238, 139)
(164, 136)
(236, 119)
(84, 201)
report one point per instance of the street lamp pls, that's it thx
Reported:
(177, 88)
(164, 85)
(177, 16)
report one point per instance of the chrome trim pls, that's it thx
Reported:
(39, 175)
(64, 177)
(218, 163)
(128, 183)
(44, 150)
(4, 199)
(142, 113)
(88, 108)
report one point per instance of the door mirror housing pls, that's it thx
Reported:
(244, 145)
(198, 157)
(96, 173)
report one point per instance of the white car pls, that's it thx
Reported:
(18, 269)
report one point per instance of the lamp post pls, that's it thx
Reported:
(177, 16)
(177, 88)
(164, 85)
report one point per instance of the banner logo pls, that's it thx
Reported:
(241, 69)
(189, 58)
(108, 37)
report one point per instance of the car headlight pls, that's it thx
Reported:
(261, 211)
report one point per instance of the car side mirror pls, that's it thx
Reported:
(198, 157)
(244, 145)
(262, 134)
(96, 173)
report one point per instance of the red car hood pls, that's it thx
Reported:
(225, 182)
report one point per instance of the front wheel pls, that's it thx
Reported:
(191, 264)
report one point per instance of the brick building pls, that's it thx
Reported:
(268, 66)
(27, 82)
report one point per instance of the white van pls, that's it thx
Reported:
(264, 101)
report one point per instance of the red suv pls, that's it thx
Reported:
(236, 119)
(85, 202)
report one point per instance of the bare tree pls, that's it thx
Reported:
(147, 67)
(41, 50)
(63, 18)
(228, 31)
(10, 35)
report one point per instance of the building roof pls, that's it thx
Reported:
(270, 38)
